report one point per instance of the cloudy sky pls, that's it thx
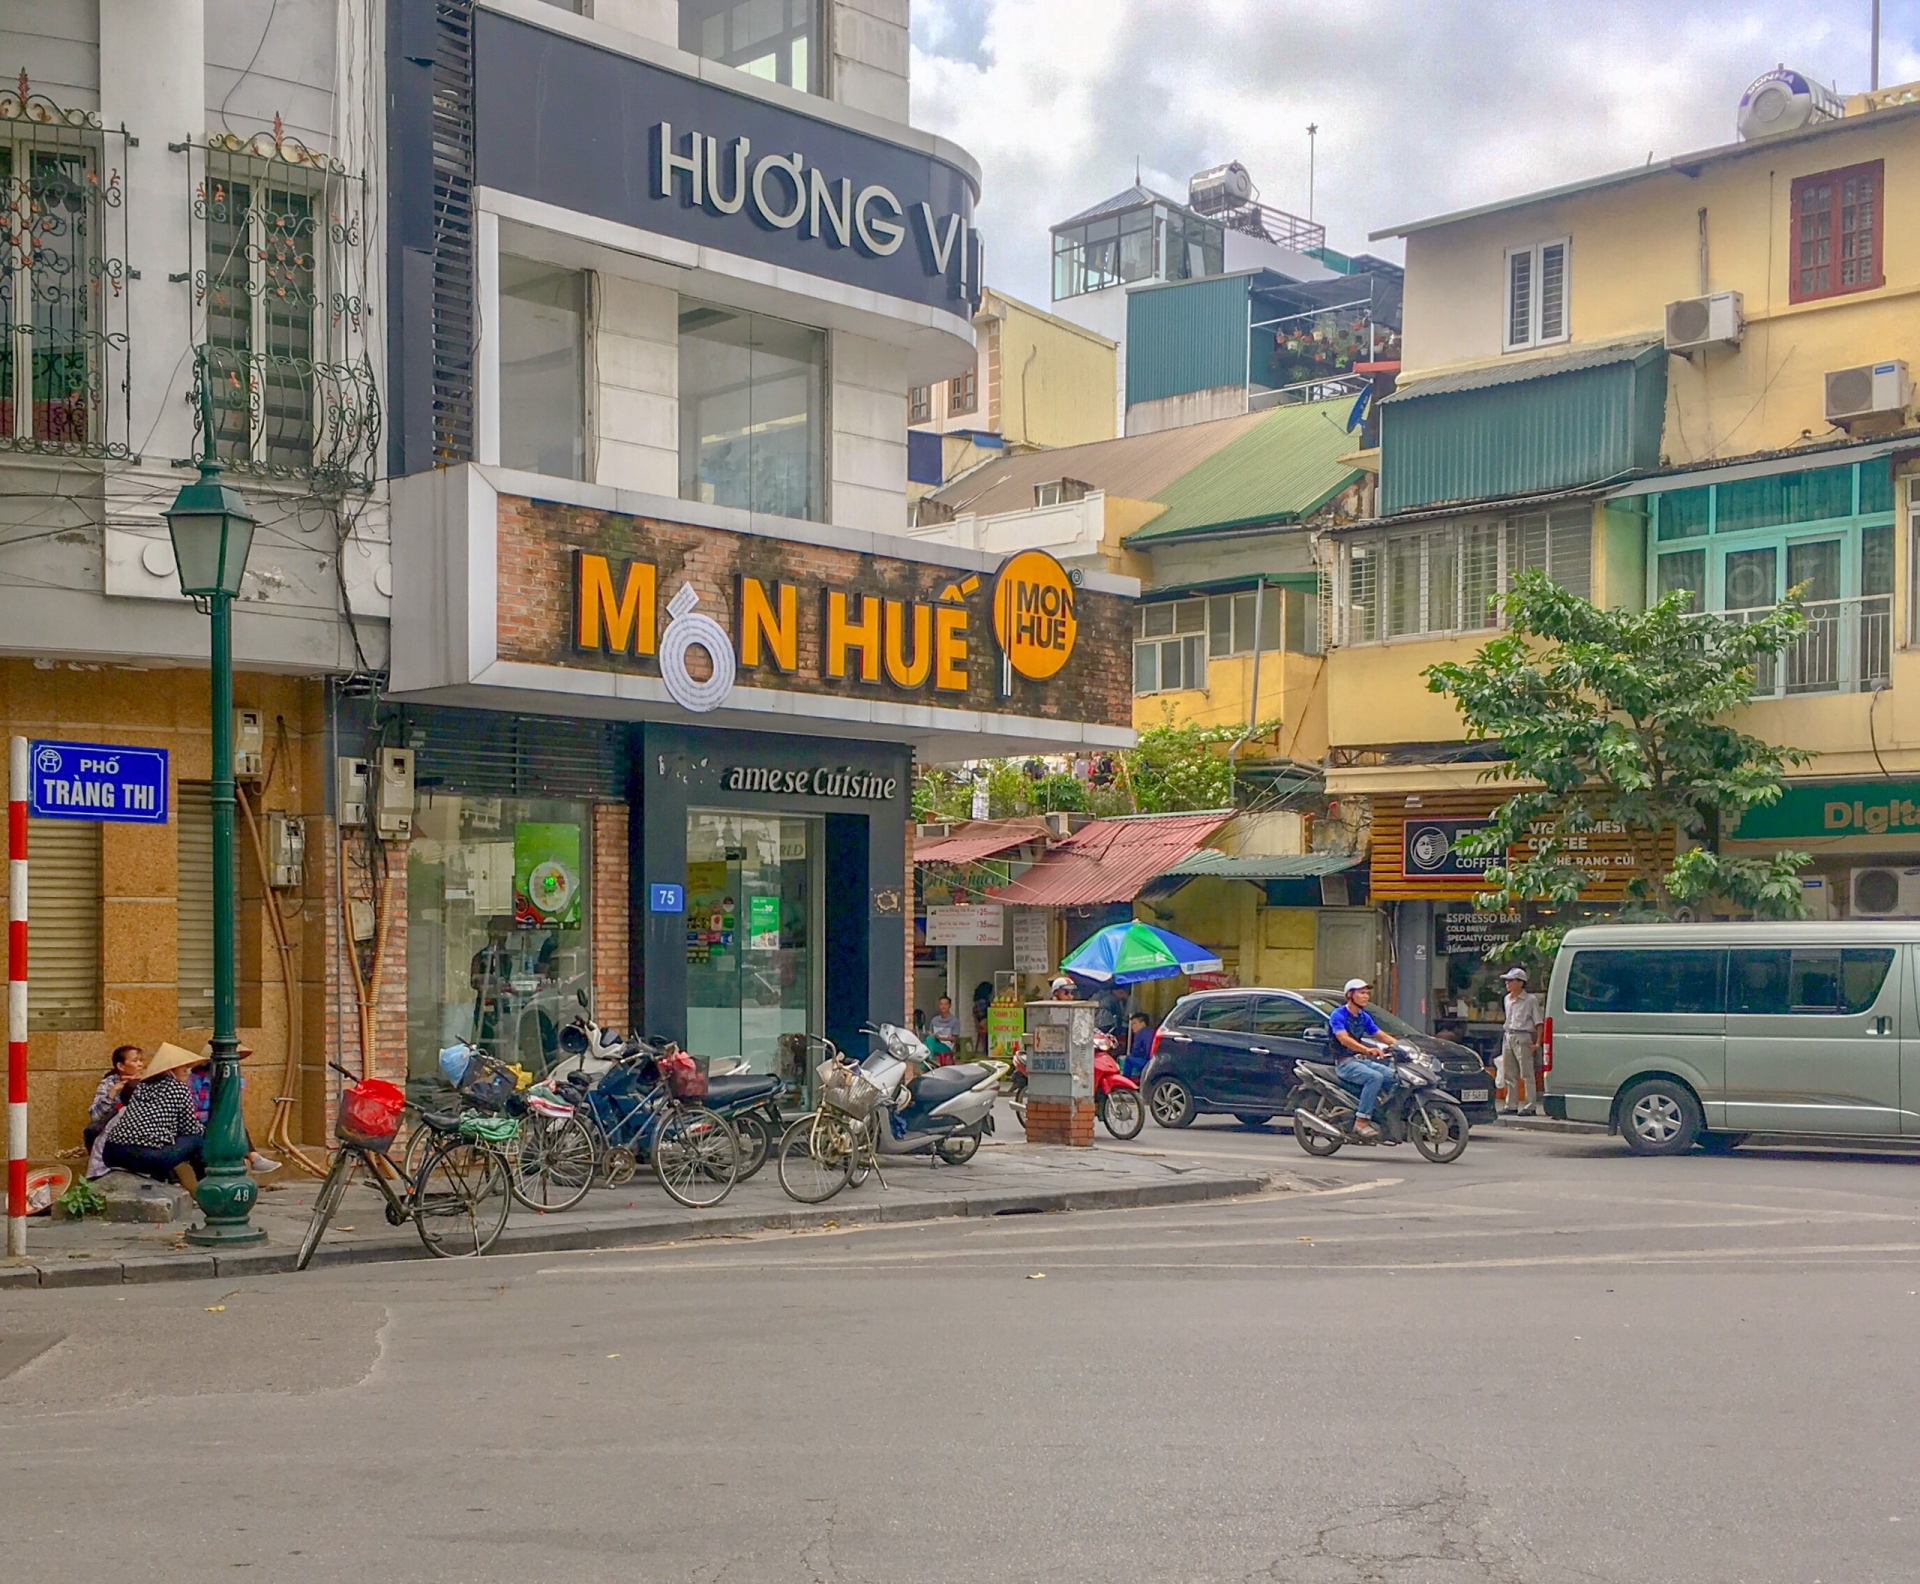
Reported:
(1423, 105)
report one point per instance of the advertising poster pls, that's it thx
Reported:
(763, 923)
(546, 875)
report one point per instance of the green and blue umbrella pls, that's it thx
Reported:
(1124, 954)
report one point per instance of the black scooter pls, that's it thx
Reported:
(1413, 1108)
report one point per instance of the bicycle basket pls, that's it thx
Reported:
(370, 1113)
(487, 1082)
(847, 1089)
(489, 1129)
(685, 1076)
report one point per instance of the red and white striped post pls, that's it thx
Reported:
(18, 791)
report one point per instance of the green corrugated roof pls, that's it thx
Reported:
(1280, 471)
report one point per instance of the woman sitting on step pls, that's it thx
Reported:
(157, 1132)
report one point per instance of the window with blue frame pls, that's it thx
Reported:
(1738, 547)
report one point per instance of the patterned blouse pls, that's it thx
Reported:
(158, 1113)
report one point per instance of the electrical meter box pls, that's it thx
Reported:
(351, 792)
(1059, 1047)
(249, 745)
(286, 850)
(393, 794)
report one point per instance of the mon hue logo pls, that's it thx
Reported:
(1033, 615)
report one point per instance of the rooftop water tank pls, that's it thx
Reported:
(1784, 100)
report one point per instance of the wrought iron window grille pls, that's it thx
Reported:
(282, 295)
(64, 344)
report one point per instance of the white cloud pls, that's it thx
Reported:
(1423, 105)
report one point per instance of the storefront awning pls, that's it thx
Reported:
(979, 839)
(1110, 860)
(1208, 864)
(1797, 460)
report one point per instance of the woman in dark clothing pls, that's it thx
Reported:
(157, 1133)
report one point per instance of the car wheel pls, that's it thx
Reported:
(1248, 1120)
(1659, 1117)
(1721, 1143)
(1171, 1103)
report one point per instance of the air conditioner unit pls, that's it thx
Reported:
(1817, 892)
(1884, 893)
(1872, 390)
(1696, 322)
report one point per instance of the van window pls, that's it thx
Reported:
(1645, 981)
(1821, 979)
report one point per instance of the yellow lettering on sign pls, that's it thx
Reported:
(624, 624)
(950, 648)
(904, 669)
(769, 624)
(844, 634)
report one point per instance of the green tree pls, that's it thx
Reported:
(1620, 718)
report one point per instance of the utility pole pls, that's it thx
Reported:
(1313, 132)
(1874, 71)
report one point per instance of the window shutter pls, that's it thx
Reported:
(1570, 550)
(1553, 291)
(63, 925)
(194, 903)
(1520, 298)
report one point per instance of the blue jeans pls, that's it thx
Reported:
(1370, 1077)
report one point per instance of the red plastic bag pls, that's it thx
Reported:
(370, 1111)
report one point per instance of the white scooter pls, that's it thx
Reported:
(942, 1113)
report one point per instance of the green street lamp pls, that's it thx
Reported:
(212, 532)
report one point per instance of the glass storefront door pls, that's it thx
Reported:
(753, 926)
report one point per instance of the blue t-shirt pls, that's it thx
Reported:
(1359, 1024)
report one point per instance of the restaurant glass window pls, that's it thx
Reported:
(752, 924)
(543, 360)
(498, 909)
(752, 412)
(772, 39)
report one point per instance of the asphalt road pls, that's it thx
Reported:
(1551, 1361)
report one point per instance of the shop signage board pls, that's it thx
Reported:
(1860, 808)
(1474, 934)
(597, 132)
(98, 781)
(983, 924)
(663, 898)
(1030, 932)
(1431, 847)
(1416, 853)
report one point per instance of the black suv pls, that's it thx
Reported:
(1233, 1051)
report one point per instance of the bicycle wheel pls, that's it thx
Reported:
(696, 1157)
(756, 1142)
(324, 1205)
(554, 1161)
(815, 1156)
(461, 1198)
(866, 1141)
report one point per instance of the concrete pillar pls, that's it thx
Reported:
(1413, 953)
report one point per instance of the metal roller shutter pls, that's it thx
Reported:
(63, 919)
(489, 755)
(194, 904)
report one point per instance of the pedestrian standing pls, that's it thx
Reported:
(1519, 1038)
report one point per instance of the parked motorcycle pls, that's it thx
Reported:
(1116, 1098)
(1413, 1108)
(944, 1112)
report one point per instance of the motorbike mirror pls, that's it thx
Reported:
(581, 996)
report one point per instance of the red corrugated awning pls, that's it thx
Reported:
(979, 839)
(1109, 860)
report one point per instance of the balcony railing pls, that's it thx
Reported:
(1847, 648)
(290, 417)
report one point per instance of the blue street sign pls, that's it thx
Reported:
(668, 899)
(96, 781)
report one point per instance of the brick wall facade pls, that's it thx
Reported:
(612, 916)
(536, 544)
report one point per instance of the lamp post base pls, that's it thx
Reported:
(226, 1197)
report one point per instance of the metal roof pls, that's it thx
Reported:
(1688, 165)
(978, 839)
(1285, 468)
(1110, 860)
(1119, 203)
(1791, 459)
(1135, 467)
(1208, 864)
(1512, 371)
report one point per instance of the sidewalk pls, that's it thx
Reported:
(1007, 1177)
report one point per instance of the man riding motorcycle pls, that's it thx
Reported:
(1354, 1029)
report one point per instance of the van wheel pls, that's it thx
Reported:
(1721, 1143)
(1659, 1117)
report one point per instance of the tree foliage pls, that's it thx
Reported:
(1620, 717)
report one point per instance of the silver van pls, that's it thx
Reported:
(1681, 1034)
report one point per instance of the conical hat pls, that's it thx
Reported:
(169, 1057)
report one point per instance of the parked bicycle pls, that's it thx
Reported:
(555, 1152)
(649, 1102)
(460, 1193)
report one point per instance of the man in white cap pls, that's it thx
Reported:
(1355, 1029)
(1519, 1036)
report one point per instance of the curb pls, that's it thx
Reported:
(533, 1239)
